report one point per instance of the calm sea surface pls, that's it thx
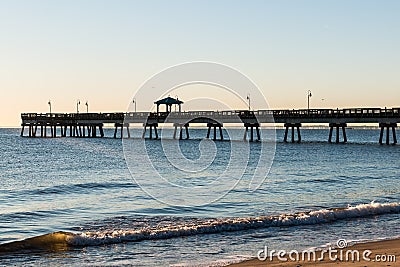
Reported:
(83, 187)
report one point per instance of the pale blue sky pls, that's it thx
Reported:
(346, 52)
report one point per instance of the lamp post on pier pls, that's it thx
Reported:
(176, 96)
(49, 103)
(78, 102)
(309, 95)
(87, 106)
(134, 102)
(248, 98)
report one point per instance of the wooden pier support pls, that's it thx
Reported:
(80, 132)
(128, 131)
(32, 129)
(63, 130)
(121, 127)
(152, 126)
(252, 126)
(292, 125)
(22, 129)
(75, 130)
(118, 125)
(35, 130)
(337, 126)
(101, 130)
(83, 130)
(215, 126)
(388, 126)
(181, 126)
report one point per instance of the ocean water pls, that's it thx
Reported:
(82, 190)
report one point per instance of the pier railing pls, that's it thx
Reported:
(359, 114)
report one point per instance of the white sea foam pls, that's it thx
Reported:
(209, 226)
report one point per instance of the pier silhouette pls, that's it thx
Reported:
(91, 124)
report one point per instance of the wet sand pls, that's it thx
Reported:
(384, 250)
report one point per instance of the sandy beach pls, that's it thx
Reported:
(383, 253)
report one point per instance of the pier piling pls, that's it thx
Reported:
(388, 126)
(116, 125)
(252, 127)
(181, 126)
(337, 126)
(292, 125)
(151, 126)
(215, 126)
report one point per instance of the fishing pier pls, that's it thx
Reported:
(91, 125)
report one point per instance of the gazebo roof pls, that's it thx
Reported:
(168, 101)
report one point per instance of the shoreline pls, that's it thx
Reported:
(383, 253)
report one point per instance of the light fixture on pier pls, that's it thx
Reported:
(78, 102)
(248, 98)
(87, 106)
(49, 103)
(176, 96)
(309, 95)
(134, 102)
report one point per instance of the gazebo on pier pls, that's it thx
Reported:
(168, 102)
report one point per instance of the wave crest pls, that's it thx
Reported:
(211, 226)
(60, 241)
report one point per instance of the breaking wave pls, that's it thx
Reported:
(179, 228)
